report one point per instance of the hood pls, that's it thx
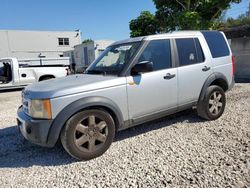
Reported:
(71, 85)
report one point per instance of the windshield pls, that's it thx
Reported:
(113, 59)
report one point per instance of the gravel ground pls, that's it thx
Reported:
(177, 151)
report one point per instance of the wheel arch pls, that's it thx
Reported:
(80, 105)
(214, 79)
(46, 75)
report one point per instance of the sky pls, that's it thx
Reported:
(97, 19)
(237, 9)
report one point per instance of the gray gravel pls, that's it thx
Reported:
(177, 151)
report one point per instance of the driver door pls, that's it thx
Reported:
(153, 93)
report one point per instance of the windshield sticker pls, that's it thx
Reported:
(123, 48)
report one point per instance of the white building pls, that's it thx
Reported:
(85, 53)
(37, 44)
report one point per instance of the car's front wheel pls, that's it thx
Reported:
(213, 104)
(88, 134)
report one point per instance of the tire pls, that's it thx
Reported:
(213, 104)
(88, 134)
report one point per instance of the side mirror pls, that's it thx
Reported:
(142, 67)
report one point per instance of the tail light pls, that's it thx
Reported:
(233, 64)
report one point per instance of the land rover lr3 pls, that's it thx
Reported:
(132, 82)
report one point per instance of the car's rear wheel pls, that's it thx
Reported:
(213, 104)
(88, 134)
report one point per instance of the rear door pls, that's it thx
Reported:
(193, 68)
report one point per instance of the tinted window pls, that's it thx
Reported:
(216, 43)
(158, 52)
(200, 54)
(189, 51)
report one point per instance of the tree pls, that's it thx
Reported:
(145, 24)
(182, 15)
(87, 41)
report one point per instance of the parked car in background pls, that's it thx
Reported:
(132, 82)
(19, 73)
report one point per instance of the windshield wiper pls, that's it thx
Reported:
(96, 72)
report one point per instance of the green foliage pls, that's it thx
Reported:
(145, 24)
(179, 15)
(87, 41)
(189, 20)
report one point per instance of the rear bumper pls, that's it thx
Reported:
(231, 85)
(36, 131)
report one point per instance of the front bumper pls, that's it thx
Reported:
(34, 130)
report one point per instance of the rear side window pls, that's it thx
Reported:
(200, 54)
(216, 43)
(159, 53)
(189, 51)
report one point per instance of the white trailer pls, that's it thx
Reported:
(19, 73)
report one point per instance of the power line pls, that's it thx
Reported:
(248, 11)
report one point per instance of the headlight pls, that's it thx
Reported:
(40, 109)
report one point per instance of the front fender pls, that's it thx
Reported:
(77, 106)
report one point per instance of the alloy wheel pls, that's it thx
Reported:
(215, 103)
(90, 133)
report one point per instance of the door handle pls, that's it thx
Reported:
(169, 76)
(206, 68)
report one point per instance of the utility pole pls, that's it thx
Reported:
(248, 12)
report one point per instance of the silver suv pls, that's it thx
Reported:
(132, 82)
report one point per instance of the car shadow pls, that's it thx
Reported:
(189, 116)
(16, 152)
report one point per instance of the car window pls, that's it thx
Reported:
(159, 53)
(200, 54)
(189, 51)
(216, 43)
(113, 59)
